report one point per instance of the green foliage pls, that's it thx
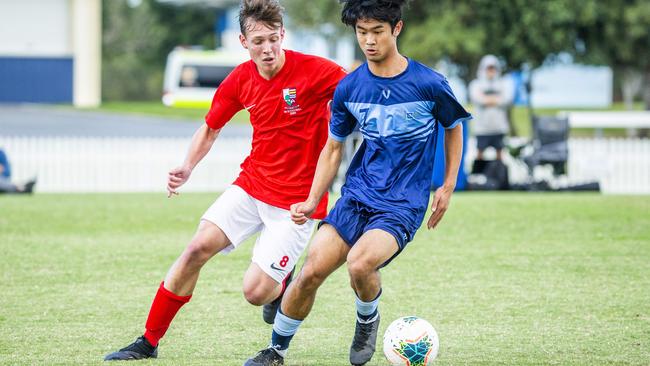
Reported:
(518, 31)
(136, 42)
(315, 13)
(130, 41)
(615, 33)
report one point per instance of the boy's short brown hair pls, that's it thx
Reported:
(268, 12)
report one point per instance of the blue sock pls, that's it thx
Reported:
(283, 330)
(367, 311)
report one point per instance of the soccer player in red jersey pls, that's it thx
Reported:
(287, 94)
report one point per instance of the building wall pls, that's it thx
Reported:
(50, 51)
(35, 28)
(35, 79)
(36, 63)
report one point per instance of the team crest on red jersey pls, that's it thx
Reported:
(289, 96)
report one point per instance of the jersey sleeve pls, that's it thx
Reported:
(342, 122)
(330, 77)
(225, 102)
(447, 110)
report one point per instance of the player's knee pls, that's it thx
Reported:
(198, 252)
(255, 296)
(359, 268)
(310, 278)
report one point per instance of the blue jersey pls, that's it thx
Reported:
(398, 118)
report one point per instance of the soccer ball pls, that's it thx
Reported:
(410, 341)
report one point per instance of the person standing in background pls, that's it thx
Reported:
(491, 96)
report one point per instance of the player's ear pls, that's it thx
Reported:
(398, 28)
(242, 40)
(282, 32)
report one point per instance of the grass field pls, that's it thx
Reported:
(508, 279)
(156, 108)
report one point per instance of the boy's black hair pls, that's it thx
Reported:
(382, 10)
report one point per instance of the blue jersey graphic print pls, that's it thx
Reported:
(398, 118)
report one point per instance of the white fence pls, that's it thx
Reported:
(622, 165)
(81, 164)
(141, 164)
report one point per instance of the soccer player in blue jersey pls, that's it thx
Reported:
(399, 105)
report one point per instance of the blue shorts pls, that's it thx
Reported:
(351, 219)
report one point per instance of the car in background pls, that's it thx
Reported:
(192, 76)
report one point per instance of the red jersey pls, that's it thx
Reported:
(289, 115)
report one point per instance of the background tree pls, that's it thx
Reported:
(614, 33)
(518, 31)
(617, 34)
(136, 41)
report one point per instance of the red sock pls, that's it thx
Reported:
(165, 306)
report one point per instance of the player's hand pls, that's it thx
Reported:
(439, 206)
(301, 211)
(176, 178)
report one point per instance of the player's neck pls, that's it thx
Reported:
(392, 65)
(269, 75)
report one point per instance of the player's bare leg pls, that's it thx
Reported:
(259, 288)
(500, 154)
(184, 273)
(175, 291)
(372, 250)
(326, 253)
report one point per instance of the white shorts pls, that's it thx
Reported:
(281, 241)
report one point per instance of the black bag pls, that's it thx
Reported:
(495, 173)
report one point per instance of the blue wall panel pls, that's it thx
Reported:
(35, 80)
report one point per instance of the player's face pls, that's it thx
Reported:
(264, 45)
(376, 39)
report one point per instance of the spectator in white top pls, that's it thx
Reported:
(491, 96)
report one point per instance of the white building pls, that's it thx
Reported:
(50, 51)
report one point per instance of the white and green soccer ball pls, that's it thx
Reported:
(410, 341)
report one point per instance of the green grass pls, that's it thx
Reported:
(156, 108)
(508, 279)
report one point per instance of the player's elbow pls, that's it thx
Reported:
(211, 134)
(333, 151)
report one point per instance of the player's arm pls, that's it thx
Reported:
(326, 169)
(202, 141)
(453, 154)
